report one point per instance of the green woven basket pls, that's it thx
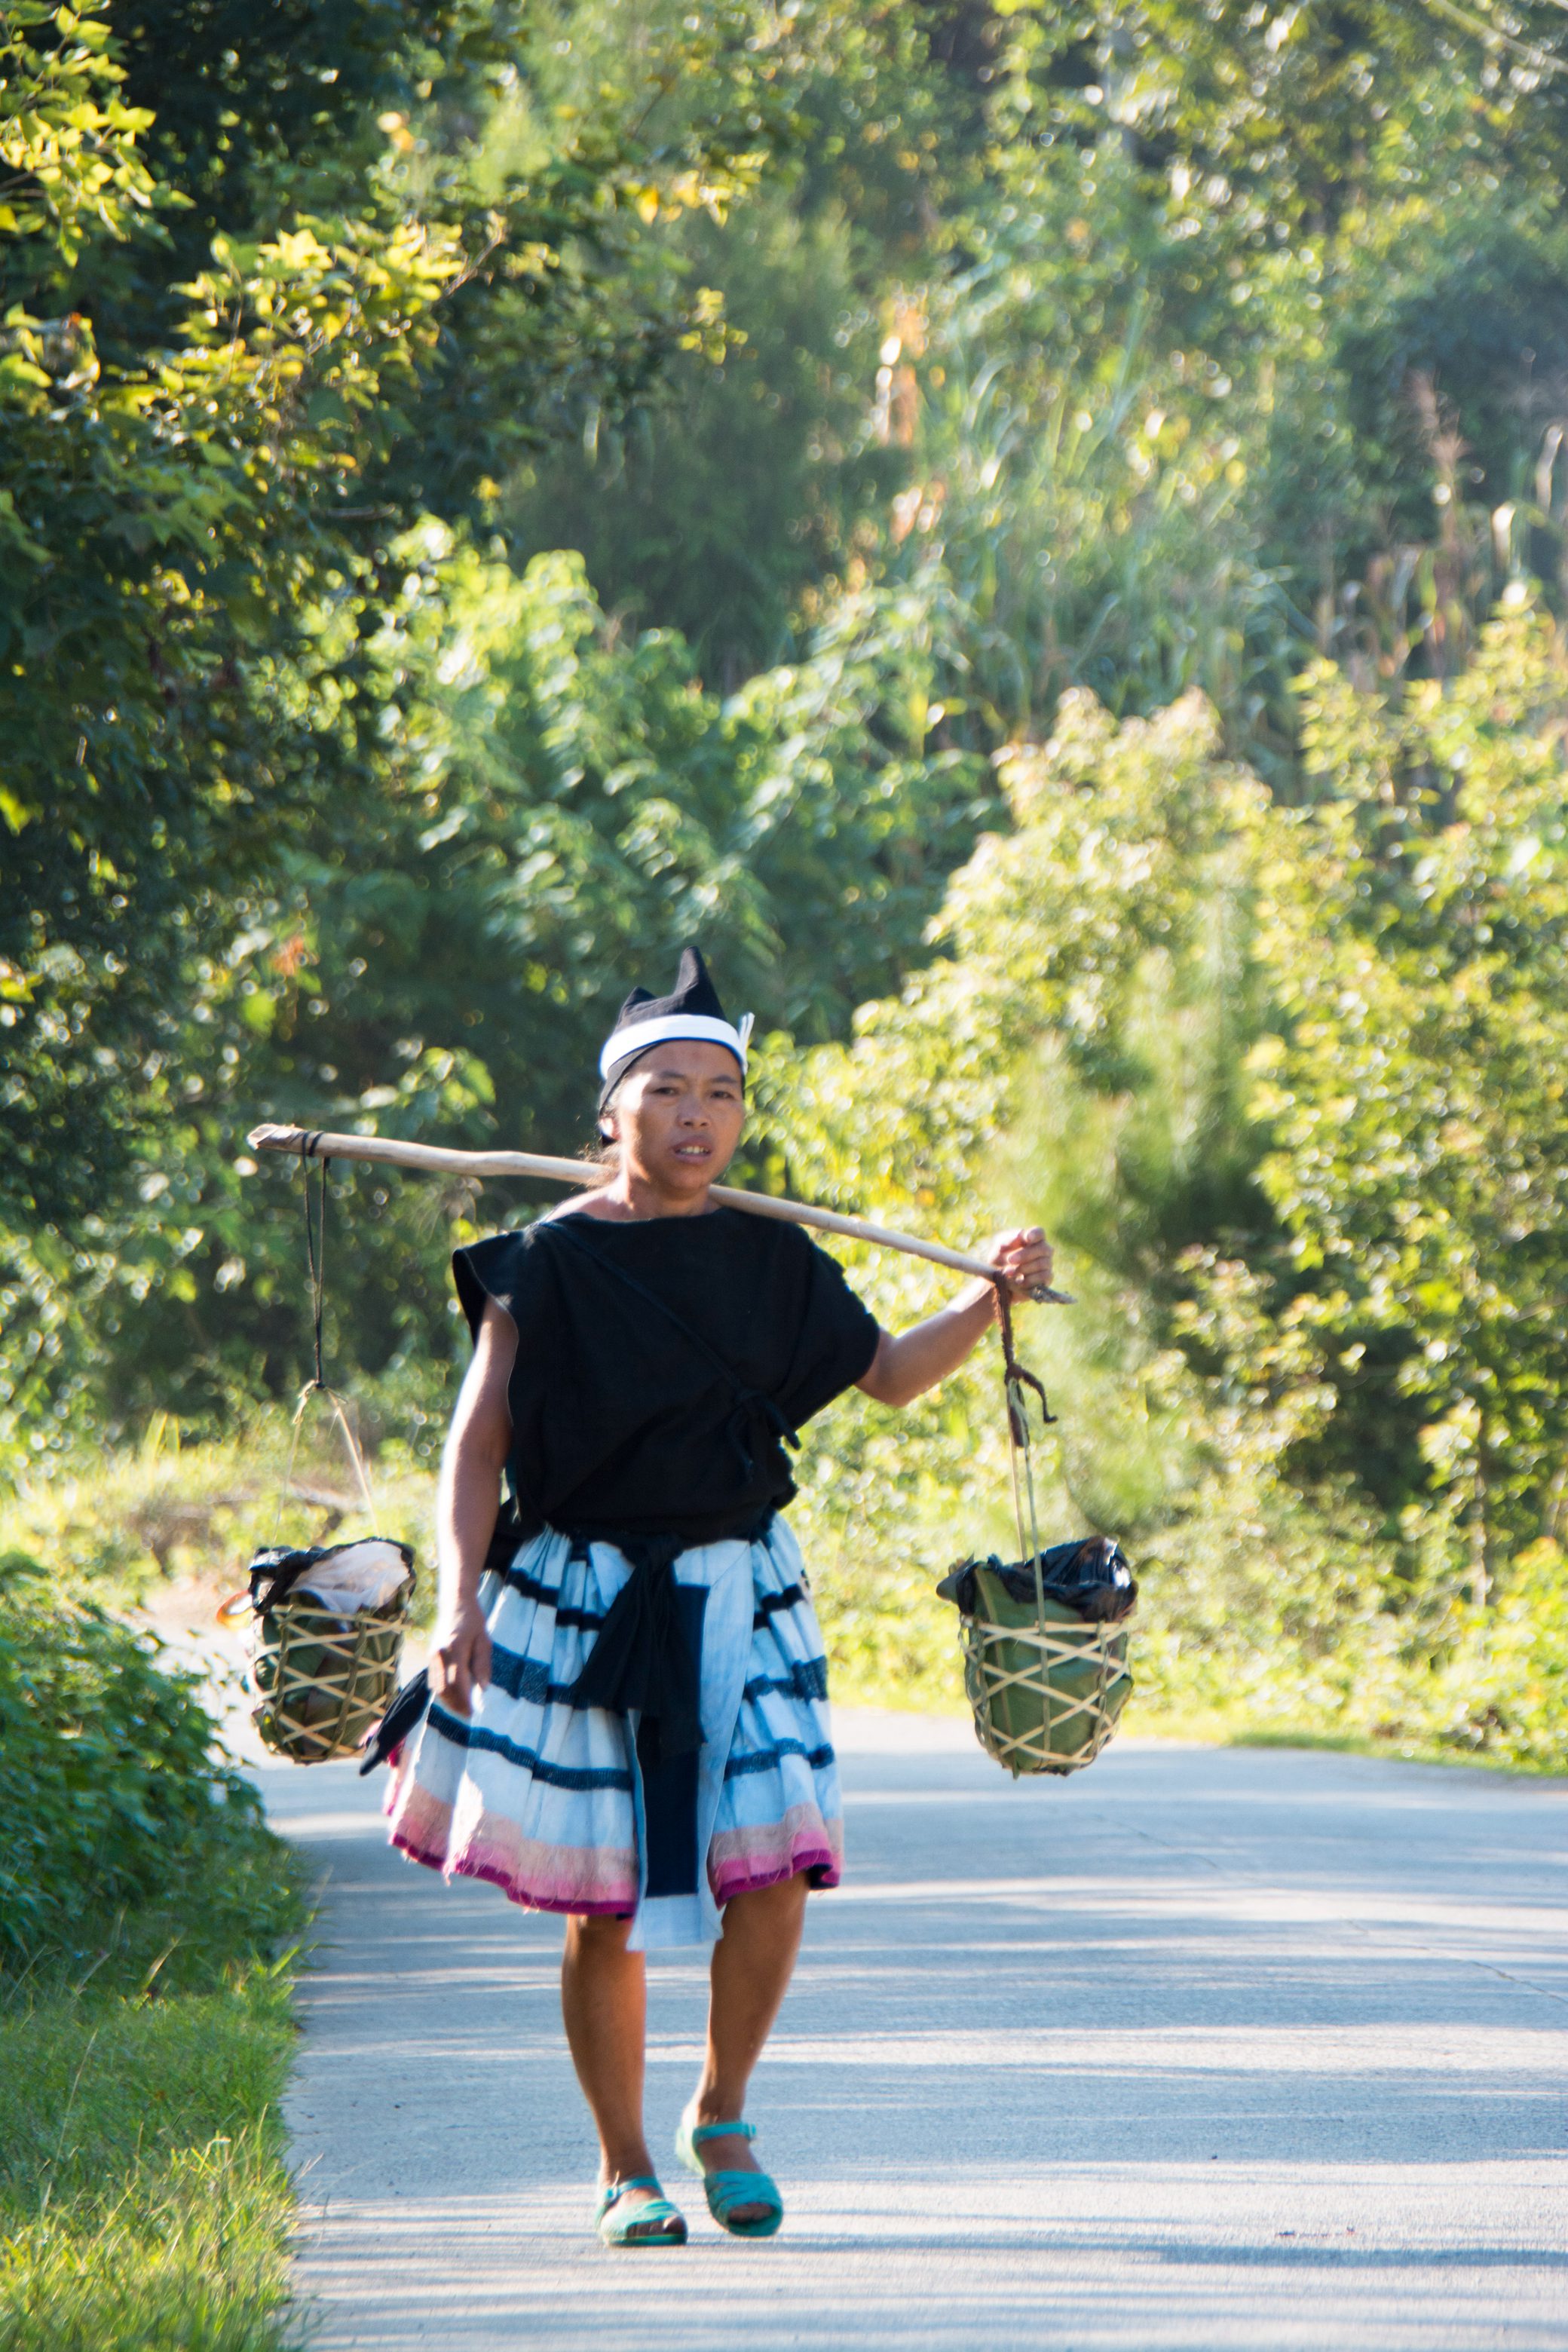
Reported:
(323, 1681)
(1048, 1687)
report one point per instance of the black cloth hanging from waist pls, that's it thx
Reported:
(643, 1661)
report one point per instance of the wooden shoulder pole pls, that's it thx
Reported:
(313, 1143)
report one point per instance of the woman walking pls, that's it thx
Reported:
(628, 1721)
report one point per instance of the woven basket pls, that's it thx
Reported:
(321, 1681)
(1047, 1686)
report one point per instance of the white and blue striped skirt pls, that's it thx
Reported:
(550, 1802)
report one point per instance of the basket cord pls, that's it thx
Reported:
(1016, 1379)
(316, 1246)
(316, 1264)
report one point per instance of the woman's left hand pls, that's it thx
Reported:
(1025, 1257)
(906, 1365)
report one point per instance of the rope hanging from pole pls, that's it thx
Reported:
(324, 1624)
(317, 1385)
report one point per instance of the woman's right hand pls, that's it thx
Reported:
(460, 1658)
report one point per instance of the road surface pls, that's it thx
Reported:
(1205, 2048)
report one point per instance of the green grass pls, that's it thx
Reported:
(143, 2199)
(148, 1921)
(1399, 1747)
(145, 2032)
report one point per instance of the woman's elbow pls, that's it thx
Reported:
(477, 1444)
(886, 1382)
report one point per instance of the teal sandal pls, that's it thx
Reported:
(726, 2191)
(615, 2229)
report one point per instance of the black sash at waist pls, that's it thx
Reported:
(642, 1662)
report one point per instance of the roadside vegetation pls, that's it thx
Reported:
(1285, 1085)
(148, 1921)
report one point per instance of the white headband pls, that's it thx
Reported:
(665, 1028)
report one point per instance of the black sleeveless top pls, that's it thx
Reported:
(620, 1421)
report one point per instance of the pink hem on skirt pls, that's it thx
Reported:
(824, 1868)
(575, 1906)
(531, 1873)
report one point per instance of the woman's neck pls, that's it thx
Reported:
(632, 1198)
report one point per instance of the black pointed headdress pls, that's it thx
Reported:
(692, 1010)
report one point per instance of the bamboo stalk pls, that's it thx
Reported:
(386, 1151)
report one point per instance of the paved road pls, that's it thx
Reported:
(1207, 2048)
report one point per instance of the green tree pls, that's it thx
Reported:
(1342, 233)
(1415, 935)
(544, 808)
(734, 499)
(390, 303)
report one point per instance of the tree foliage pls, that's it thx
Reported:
(588, 806)
(1035, 528)
(1286, 1085)
(234, 356)
(1413, 926)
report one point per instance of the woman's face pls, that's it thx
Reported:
(678, 1116)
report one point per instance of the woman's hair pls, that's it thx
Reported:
(604, 1149)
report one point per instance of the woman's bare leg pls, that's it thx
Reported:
(753, 1963)
(603, 2000)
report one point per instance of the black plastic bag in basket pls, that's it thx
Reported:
(1091, 1576)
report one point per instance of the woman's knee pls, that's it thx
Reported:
(594, 1935)
(784, 1899)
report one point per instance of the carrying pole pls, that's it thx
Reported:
(312, 1143)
